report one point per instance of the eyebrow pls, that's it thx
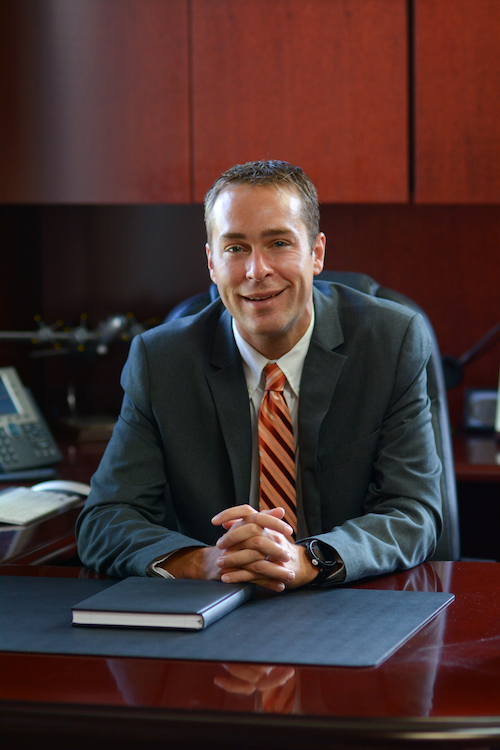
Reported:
(233, 236)
(266, 233)
(276, 232)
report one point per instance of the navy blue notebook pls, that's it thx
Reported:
(161, 603)
(335, 627)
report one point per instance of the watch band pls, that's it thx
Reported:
(324, 558)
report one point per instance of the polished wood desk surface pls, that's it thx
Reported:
(441, 685)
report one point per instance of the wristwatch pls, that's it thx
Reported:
(330, 567)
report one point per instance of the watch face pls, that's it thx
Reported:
(319, 550)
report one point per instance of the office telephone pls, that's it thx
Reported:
(25, 439)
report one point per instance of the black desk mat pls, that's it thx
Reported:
(334, 627)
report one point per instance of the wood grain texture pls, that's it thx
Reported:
(96, 104)
(320, 83)
(457, 105)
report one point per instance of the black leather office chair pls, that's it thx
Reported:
(448, 547)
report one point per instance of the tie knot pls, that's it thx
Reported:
(275, 379)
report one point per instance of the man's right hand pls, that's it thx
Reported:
(194, 562)
(203, 563)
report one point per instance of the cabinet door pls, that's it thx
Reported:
(95, 101)
(457, 106)
(319, 83)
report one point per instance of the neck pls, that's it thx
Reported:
(274, 346)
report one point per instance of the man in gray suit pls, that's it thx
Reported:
(177, 491)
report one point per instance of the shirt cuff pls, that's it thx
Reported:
(154, 570)
(338, 575)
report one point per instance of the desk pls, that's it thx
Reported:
(440, 688)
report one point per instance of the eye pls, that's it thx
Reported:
(234, 249)
(280, 243)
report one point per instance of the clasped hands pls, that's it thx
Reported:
(258, 547)
(258, 679)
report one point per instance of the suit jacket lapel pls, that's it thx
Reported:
(229, 391)
(322, 368)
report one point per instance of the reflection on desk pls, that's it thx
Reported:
(51, 539)
(443, 684)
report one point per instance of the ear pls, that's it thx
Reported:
(210, 264)
(318, 252)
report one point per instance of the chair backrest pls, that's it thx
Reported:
(448, 547)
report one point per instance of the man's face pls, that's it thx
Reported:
(260, 257)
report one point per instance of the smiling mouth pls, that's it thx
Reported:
(262, 298)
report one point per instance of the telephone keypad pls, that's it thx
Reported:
(7, 452)
(25, 439)
(37, 439)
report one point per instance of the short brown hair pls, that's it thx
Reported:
(269, 173)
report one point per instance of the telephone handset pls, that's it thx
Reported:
(25, 439)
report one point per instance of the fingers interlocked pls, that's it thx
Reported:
(255, 547)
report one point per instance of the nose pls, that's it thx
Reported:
(258, 266)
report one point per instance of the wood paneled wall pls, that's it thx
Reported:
(457, 101)
(126, 101)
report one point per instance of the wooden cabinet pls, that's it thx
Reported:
(95, 101)
(457, 101)
(127, 101)
(320, 83)
(99, 110)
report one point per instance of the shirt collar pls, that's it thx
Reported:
(291, 363)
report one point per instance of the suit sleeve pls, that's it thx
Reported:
(401, 511)
(127, 521)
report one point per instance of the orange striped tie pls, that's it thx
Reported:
(276, 449)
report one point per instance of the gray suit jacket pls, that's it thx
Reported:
(181, 450)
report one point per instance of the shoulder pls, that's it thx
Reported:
(370, 321)
(356, 308)
(190, 332)
(165, 349)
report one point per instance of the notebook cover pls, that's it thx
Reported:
(333, 627)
